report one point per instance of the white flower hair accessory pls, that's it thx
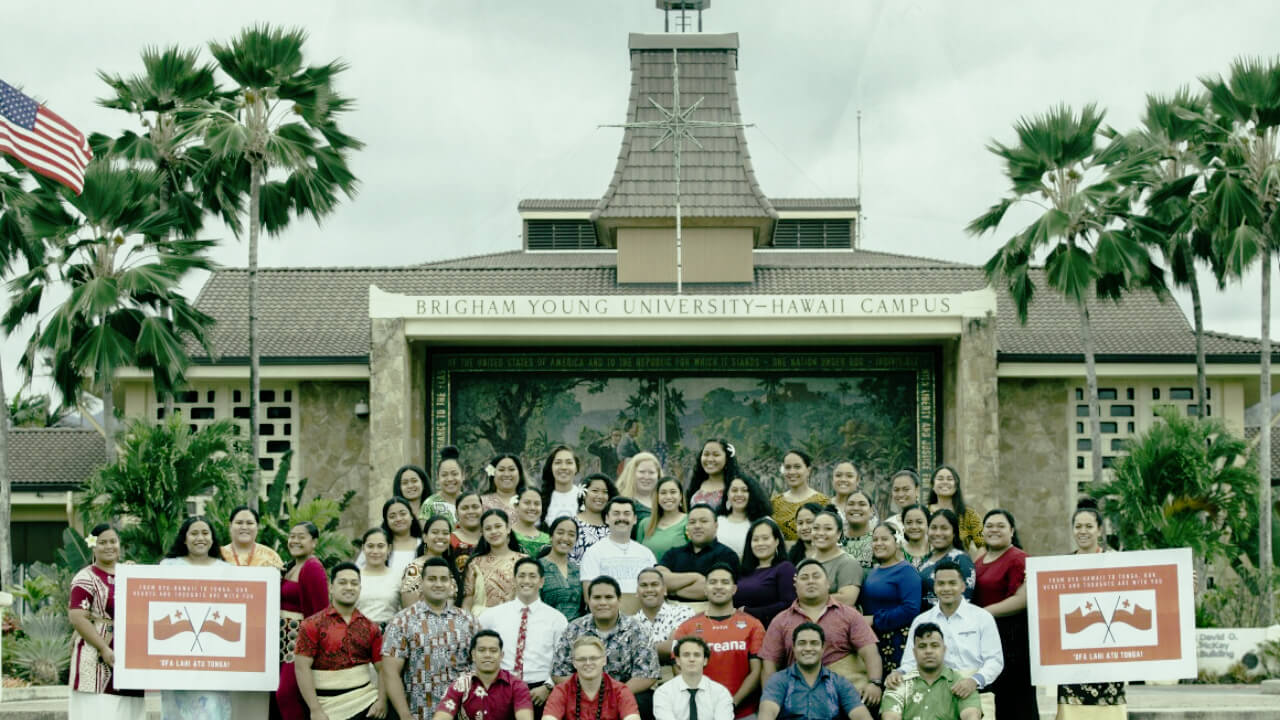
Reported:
(728, 448)
(490, 470)
(91, 541)
(782, 468)
(514, 501)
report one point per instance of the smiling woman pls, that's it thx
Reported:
(197, 545)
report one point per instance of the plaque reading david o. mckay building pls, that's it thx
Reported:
(746, 317)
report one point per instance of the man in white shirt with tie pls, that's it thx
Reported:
(969, 632)
(529, 629)
(691, 695)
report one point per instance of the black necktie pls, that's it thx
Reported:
(693, 704)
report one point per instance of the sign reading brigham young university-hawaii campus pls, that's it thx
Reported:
(967, 304)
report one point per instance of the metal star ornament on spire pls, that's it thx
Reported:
(677, 125)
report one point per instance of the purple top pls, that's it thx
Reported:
(767, 591)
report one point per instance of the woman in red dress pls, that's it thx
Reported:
(304, 591)
(1001, 589)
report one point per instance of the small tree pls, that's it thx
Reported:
(159, 468)
(1185, 483)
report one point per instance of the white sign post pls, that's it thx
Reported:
(1111, 617)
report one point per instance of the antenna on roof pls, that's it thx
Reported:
(857, 230)
(682, 7)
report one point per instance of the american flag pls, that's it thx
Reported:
(41, 140)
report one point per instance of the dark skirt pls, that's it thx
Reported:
(1015, 695)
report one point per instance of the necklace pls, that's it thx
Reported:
(235, 555)
(577, 708)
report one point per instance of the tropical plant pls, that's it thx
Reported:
(39, 587)
(1242, 205)
(283, 509)
(1059, 166)
(159, 469)
(1170, 178)
(35, 411)
(1186, 482)
(18, 245)
(279, 127)
(42, 649)
(124, 307)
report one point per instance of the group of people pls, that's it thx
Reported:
(648, 598)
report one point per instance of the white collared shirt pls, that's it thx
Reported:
(544, 628)
(671, 700)
(620, 561)
(972, 642)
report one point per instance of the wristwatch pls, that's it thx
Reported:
(877, 683)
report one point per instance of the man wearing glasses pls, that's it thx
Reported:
(590, 692)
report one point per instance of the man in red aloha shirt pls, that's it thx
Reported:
(489, 693)
(336, 647)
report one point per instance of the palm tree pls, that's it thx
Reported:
(35, 411)
(279, 128)
(1242, 148)
(1059, 167)
(1170, 177)
(124, 308)
(17, 244)
(172, 79)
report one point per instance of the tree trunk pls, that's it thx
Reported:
(1197, 313)
(1264, 446)
(108, 415)
(6, 537)
(255, 192)
(1091, 387)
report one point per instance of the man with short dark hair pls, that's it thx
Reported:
(734, 637)
(529, 630)
(338, 650)
(849, 638)
(659, 617)
(685, 567)
(691, 694)
(425, 645)
(617, 555)
(969, 635)
(806, 690)
(630, 657)
(488, 692)
(927, 693)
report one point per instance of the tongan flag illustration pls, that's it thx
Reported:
(1108, 619)
(196, 629)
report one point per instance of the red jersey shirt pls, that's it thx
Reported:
(734, 641)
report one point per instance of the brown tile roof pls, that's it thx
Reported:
(583, 204)
(61, 458)
(716, 179)
(321, 314)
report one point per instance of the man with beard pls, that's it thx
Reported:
(617, 555)
(489, 692)
(927, 693)
(848, 636)
(807, 690)
(734, 637)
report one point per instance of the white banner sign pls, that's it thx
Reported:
(1111, 617)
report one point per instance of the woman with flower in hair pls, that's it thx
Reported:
(526, 523)
(490, 576)
(797, 467)
(716, 468)
(92, 613)
(449, 479)
(506, 482)
(598, 490)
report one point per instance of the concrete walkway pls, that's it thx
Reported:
(1178, 702)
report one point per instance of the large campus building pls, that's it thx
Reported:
(768, 326)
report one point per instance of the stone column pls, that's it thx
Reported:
(976, 452)
(390, 424)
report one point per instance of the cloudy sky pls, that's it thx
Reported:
(467, 107)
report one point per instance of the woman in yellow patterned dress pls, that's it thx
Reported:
(490, 577)
(797, 466)
(945, 492)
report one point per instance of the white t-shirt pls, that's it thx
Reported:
(733, 533)
(379, 596)
(622, 562)
(562, 503)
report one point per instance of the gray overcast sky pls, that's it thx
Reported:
(467, 107)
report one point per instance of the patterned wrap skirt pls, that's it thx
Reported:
(289, 623)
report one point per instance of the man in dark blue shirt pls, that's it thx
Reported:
(806, 690)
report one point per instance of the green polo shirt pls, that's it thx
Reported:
(916, 699)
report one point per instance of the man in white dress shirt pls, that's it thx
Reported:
(691, 695)
(969, 632)
(529, 630)
(617, 555)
